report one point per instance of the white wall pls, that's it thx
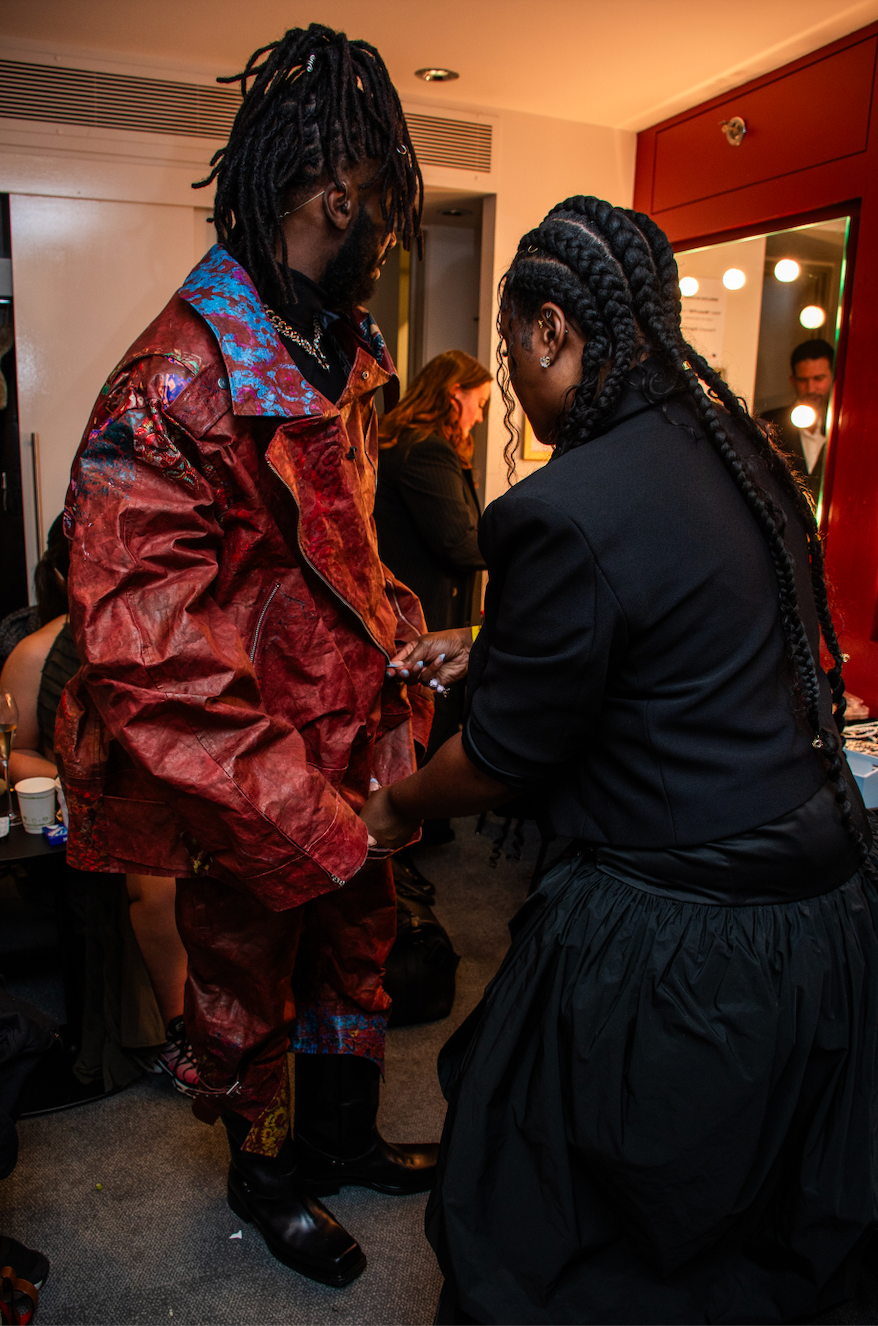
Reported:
(451, 290)
(88, 276)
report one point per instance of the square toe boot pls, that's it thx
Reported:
(268, 1192)
(337, 1141)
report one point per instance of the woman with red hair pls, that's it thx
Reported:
(427, 510)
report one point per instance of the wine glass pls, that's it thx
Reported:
(8, 724)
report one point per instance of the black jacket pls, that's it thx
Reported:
(632, 665)
(789, 440)
(427, 516)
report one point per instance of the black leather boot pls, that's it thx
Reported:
(337, 1141)
(299, 1231)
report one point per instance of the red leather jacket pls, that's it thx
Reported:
(228, 601)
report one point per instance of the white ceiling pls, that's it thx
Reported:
(623, 63)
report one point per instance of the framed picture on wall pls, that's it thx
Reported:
(531, 448)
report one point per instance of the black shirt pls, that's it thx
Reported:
(301, 316)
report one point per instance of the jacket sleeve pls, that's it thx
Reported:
(538, 671)
(170, 674)
(406, 711)
(430, 485)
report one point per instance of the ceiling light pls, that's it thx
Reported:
(786, 269)
(436, 75)
(803, 416)
(688, 286)
(812, 316)
(455, 211)
(734, 278)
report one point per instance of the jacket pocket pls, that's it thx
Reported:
(144, 833)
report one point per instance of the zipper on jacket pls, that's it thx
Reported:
(266, 605)
(318, 573)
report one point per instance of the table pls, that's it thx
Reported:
(52, 1085)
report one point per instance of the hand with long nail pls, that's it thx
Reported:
(435, 660)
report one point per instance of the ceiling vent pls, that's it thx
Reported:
(114, 101)
(460, 144)
(155, 105)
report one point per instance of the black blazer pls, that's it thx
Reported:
(632, 665)
(427, 516)
(790, 443)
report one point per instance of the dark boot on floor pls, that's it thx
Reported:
(297, 1228)
(337, 1140)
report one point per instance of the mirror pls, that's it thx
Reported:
(751, 305)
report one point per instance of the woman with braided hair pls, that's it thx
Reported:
(664, 1108)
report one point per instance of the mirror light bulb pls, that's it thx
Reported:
(688, 286)
(734, 278)
(812, 316)
(786, 269)
(804, 417)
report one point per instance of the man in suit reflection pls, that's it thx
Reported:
(805, 448)
(811, 377)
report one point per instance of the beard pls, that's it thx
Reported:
(348, 279)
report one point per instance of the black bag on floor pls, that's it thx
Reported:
(419, 975)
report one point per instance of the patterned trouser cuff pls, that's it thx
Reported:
(321, 1030)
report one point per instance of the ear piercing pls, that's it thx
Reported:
(545, 361)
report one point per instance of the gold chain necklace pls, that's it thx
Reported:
(310, 347)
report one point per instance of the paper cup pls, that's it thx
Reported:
(36, 803)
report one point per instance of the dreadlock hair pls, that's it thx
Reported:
(613, 272)
(51, 572)
(316, 104)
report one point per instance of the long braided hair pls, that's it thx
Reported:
(613, 271)
(315, 104)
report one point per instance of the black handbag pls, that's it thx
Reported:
(420, 968)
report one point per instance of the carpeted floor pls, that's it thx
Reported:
(155, 1243)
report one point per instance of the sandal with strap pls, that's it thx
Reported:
(18, 1298)
(177, 1059)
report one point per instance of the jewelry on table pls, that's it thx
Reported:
(310, 347)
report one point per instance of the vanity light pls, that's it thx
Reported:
(734, 278)
(436, 75)
(803, 417)
(786, 269)
(688, 286)
(812, 316)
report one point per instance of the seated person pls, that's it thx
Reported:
(36, 673)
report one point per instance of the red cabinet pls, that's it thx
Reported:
(810, 151)
(795, 121)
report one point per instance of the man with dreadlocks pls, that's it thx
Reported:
(664, 1110)
(235, 623)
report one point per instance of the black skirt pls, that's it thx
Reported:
(664, 1110)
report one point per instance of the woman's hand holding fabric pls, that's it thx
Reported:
(387, 826)
(436, 660)
(448, 784)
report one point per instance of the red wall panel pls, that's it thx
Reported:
(807, 159)
(787, 130)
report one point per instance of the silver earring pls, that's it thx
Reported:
(545, 361)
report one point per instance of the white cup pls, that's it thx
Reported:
(36, 802)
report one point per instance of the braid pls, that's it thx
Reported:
(613, 270)
(315, 104)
